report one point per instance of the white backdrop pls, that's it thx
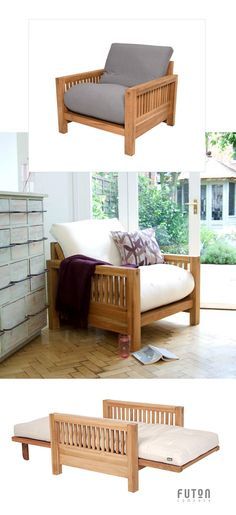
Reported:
(59, 48)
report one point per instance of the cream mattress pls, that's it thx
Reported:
(157, 442)
(163, 284)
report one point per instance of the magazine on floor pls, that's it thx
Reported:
(150, 354)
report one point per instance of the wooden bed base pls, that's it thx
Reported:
(115, 297)
(109, 444)
(146, 105)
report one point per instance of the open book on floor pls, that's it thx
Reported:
(150, 354)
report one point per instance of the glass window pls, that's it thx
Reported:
(232, 197)
(203, 201)
(217, 202)
(160, 207)
(105, 195)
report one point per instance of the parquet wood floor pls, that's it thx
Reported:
(205, 351)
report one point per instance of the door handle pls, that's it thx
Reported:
(194, 204)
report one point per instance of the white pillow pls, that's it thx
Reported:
(89, 237)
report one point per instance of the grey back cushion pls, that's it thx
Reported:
(129, 64)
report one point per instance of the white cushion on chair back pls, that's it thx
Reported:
(91, 238)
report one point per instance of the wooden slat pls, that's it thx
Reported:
(94, 122)
(164, 311)
(31, 441)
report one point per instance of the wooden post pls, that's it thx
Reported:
(52, 280)
(195, 310)
(106, 409)
(179, 416)
(132, 454)
(130, 121)
(60, 87)
(134, 309)
(173, 95)
(25, 451)
(56, 466)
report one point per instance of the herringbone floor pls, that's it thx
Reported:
(205, 351)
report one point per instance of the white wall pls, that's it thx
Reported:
(59, 202)
(8, 162)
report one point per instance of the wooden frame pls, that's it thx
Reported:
(108, 445)
(146, 105)
(115, 297)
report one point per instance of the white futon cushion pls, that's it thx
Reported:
(156, 442)
(163, 284)
(89, 237)
(173, 444)
(160, 284)
(37, 429)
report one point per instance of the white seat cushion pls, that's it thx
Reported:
(173, 444)
(157, 442)
(160, 284)
(103, 101)
(163, 284)
(37, 429)
(89, 237)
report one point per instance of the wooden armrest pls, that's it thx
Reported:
(152, 84)
(116, 270)
(183, 258)
(90, 421)
(100, 269)
(54, 263)
(80, 76)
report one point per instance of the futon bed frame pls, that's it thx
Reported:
(108, 444)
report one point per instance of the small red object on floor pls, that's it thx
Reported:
(124, 345)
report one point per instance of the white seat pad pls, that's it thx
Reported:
(163, 284)
(173, 444)
(37, 429)
(156, 442)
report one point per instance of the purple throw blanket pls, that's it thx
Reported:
(74, 288)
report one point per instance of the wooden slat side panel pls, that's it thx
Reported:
(108, 436)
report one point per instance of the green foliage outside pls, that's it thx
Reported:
(222, 140)
(217, 249)
(105, 195)
(158, 209)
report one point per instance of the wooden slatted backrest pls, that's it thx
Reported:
(142, 412)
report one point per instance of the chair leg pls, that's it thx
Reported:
(129, 144)
(195, 315)
(25, 451)
(195, 310)
(133, 483)
(136, 337)
(62, 124)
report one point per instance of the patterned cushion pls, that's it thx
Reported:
(138, 247)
